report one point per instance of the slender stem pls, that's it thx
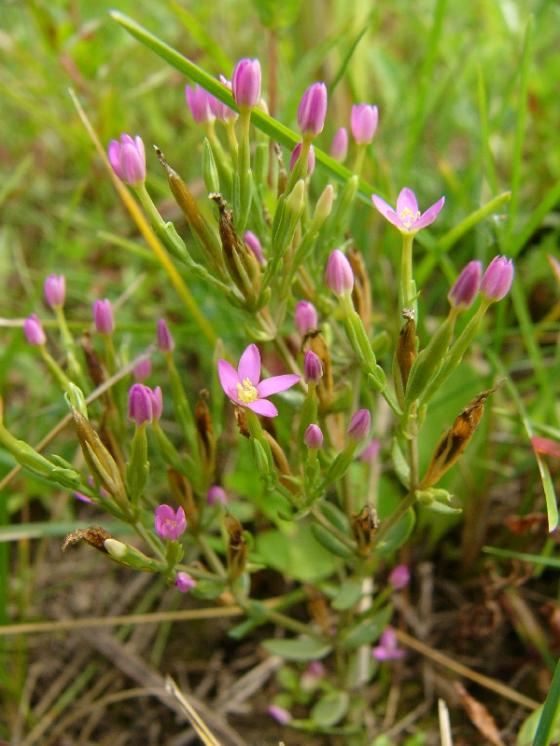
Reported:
(408, 288)
(213, 559)
(320, 518)
(55, 368)
(387, 525)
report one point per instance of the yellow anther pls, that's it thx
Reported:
(246, 391)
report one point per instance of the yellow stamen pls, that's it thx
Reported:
(408, 217)
(246, 392)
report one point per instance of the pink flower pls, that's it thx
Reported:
(305, 317)
(142, 369)
(364, 123)
(199, 103)
(371, 451)
(399, 577)
(168, 523)
(496, 281)
(219, 110)
(339, 145)
(244, 386)
(55, 290)
(280, 714)
(216, 495)
(128, 159)
(313, 437)
(312, 109)
(388, 649)
(165, 340)
(246, 82)
(407, 217)
(33, 331)
(184, 582)
(294, 158)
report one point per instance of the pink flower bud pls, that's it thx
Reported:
(280, 714)
(246, 82)
(199, 103)
(216, 495)
(168, 523)
(255, 245)
(140, 404)
(165, 341)
(33, 331)
(157, 402)
(313, 437)
(103, 316)
(312, 367)
(388, 649)
(142, 369)
(339, 276)
(496, 281)
(399, 577)
(219, 110)
(184, 583)
(313, 109)
(128, 159)
(364, 123)
(310, 158)
(305, 317)
(359, 424)
(55, 290)
(466, 286)
(339, 145)
(371, 451)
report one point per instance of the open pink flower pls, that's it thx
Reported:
(407, 217)
(388, 648)
(244, 387)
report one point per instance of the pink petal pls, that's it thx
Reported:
(250, 365)
(407, 201)
(546, 446)
(228, 378)
(114, 154)
(276, 384)
(430, 215)
(264, 407)
(387, 211)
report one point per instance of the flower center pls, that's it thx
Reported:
(246, 391)
(408, 218)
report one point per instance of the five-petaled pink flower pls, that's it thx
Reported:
(407, 217)
(244, 387)
(170, 524)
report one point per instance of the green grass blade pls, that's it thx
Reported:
(267, 124)
(550, 712)
(520, 126)
(534, 559)
(546, 205)
(487, 157)
(347, 57)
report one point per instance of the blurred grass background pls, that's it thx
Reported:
(469, 108)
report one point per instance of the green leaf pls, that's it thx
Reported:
(298, 649)
(535, 559)
(330, 709)
(398, 534)
(367, 631)
(549, 718)
(348, 595)
(207, 589)
(296, 553)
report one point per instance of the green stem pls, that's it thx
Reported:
(55, 369)
(408, 287)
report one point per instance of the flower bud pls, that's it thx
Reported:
(140, 404)
(103, 316)
(339, 145)
(312, 367)
(466, 286)
(313, 437)
(313, 109)
(220, 110)
(399, 577)
(184, 583)
(55, 290)
(496, 281)
(305, 317)
(359, 424)
(246, 82)
(255, 245)
(280, 714)
(339, 276)
(168, 523)
(33, 331)
(364, 120)
(310, 158)
(324, 205)
(128, 159)
(216, 495)
(198, 101)
(371, 451)
(157, 402)
(142, 369)
(165, 340)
